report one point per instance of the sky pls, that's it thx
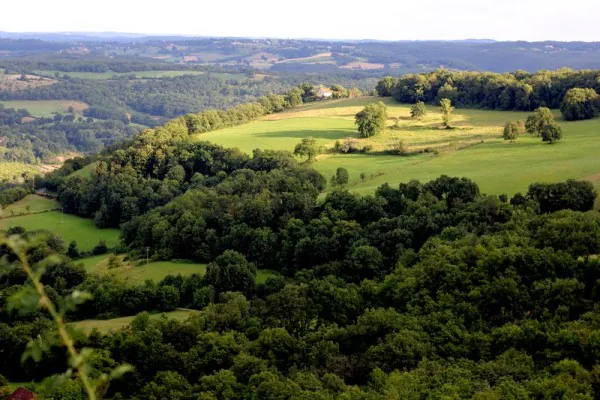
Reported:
(531, 20)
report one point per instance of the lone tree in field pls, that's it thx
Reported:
(447, 109)
(513, 129)
(340, 178)
(308, 148)
(371, 120)
(551, 133)
(580, 104)
(418, 111)
(540, 118)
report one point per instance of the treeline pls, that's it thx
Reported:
(158, 166)
(93, 63)
(9, 193)
(164, 97)
(509, 91)
(421, 290)
(11, 116)
(211, 120)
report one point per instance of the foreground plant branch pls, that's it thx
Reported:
(78, 359)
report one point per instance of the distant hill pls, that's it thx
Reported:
(298, 55)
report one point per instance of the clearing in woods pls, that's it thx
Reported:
(67, 226)
(137, 272)
(86, 172)
(31, 203)
(474, 149)
(46, 108)
(108, 325)
(12, 171)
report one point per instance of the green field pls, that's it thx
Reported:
(474, 149)
(282, 134)
(45, 108)
(108, 325)
(69, 227)
(86, 171)
(11, 171)
(138, 272)
(34, 202)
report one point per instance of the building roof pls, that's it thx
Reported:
(22, 394)
(322, 91)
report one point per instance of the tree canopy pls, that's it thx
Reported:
(372, 119)
(580, 104)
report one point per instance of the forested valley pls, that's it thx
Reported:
(303, 289)
(427, 289)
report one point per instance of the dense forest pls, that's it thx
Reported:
(515, 91)
(422, 291)
(43, 139)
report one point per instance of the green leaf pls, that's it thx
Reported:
(76, 298)
(25, 301)
(40, 346)
(120, 371)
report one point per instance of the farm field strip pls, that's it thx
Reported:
(46, 108)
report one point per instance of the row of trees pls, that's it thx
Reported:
(540, 123)
(575, 92)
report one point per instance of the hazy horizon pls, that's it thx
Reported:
(512, 20)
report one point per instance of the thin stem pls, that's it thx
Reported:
(60, 322)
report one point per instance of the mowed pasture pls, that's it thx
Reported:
(67, 226)
(474, 149)
(136, 272)
(46, 108)
(30, 204)
(115, 324)
(86, 171)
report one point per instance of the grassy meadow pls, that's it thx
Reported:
(137, 272)
(86, 172)
(11, 171)
(108, 325)
(69, 227)
(45, 108)
(474, 149)
(30, 204)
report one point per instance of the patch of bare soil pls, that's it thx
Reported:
(18, 82)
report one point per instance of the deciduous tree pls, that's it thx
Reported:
(308, 147)
(447, 109)
(580, 104)
(418, 111)
(372, 119)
